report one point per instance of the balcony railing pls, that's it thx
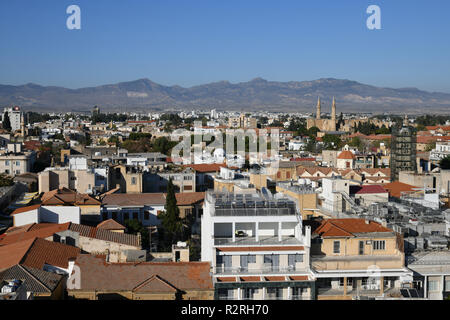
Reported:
(263, 270)
(289, 240)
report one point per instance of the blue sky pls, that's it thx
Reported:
(191, 42)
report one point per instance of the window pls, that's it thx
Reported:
(288, 175)
(379, 245)
(361, 247)
(187, 177)
(7, 162)
(248, 293)
(17, 171)
(294, 258)
(133, 180)
(17, 163)
(447, 285)
(274, 293)
(433, 285)
(349, 282)
(7, 171)
(336, 247)
(279, 175)
(105, 215)
(187, 212)
(146, 215)
(245, 260)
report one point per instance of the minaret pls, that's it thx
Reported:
(318, 109)
(333, 114)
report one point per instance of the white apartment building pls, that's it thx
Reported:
(441, 151)
(256, 247)
(15, 117)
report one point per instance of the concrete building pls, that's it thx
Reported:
(431, 274)
(15, 161)
(15, 117)
(256, 247)
(354, 258)
(403, 150)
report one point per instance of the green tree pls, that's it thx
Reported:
(134, 226)
(170, 220)
(6, 122)
(331, 142)
(5, 180)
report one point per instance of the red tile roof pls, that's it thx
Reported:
(187, 198)
(12, 254)
(96, 274)
(346, 155)
(348, 227)
(110, 224)
(214, 167)
(64, 196)
(396, 188)
(48, 252)
(367, 189)
(26, 209)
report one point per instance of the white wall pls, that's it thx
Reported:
(59, 214)
(24, 218)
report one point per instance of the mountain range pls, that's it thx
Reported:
(257, 94)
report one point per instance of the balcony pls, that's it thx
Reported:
(263, 240)
(240, 271)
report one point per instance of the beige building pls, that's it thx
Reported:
(128, 178)
(356, 257)
(242, 122)
(55, 178)
(15, 161)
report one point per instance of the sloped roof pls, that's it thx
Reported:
(35, 280)
(213, 167)
(49, 229)
(367, 189)
(12, 254)
(44, 232)
(96, 274)
(140, 199)
(348, 227)
(110, 224)
(52, 253)
(396, 188)
(187, 198)
(25, 209)
(346, 155)
(64, 196)
(155, 284)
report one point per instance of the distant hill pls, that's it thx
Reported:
(257, 94)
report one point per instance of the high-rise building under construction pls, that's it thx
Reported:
(403, 149)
